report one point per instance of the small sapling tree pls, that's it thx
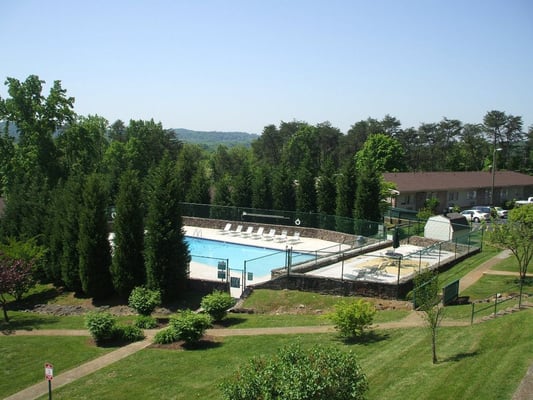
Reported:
(427, 300)
(15, 279)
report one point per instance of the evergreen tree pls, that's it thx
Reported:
(127, 269)
(241, 190)
(26, 207)
(221, 199)
(367, 200)
(283, 197)
(166, 252)
(346, 184)
(261, 187)
(93, 242)
(199, 189)
(70, 257)
(54, 235)
(305, 188)
(326, 194)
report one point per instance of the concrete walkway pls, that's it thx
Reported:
(414, 319)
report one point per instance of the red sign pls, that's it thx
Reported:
(48, 371)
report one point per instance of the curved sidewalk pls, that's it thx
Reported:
(412, 320)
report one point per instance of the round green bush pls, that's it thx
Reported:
(100, 325)
(217, 304)
(190, 326)
(297, 373)
(145, 322)
(128, 333)
(166, 336)
(352, 317)
(144, 300)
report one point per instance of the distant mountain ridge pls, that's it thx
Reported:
(212, 139)
(207, 139)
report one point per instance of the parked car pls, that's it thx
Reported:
(486, 210)
(501, 212)
(475, 215)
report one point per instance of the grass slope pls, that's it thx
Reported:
(477, 362)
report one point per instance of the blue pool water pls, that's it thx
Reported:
(259, 260)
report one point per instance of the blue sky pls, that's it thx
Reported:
(244, 64)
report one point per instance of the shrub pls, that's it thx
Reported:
(216, 304)
(351, 318)
(190, 326)
(100, 325)
(145, 322)
(128, 333)
(318, 373)
(144, 300)
(166, 336)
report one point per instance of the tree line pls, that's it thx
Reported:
(64, 172)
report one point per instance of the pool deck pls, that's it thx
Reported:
(376, 266)
(202, 271)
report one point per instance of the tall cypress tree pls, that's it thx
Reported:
(166, 252)
(93, 243)
(367, 201)
(127, 268)
(70, 258)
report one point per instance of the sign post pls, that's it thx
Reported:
(49, 375)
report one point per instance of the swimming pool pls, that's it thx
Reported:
(259, 260)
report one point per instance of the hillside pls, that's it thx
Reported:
(212, 139)
(208, 140)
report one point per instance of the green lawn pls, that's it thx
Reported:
(465, 266)
(23, 358)
(476, 362)
(489, 285)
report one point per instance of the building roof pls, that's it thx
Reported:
(439, 181)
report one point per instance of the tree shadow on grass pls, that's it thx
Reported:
(31, 300)
(25, 322)
(230, 321)
(460, 356)
(203, 344)
(366, 338)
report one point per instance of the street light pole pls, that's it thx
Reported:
(493, 173)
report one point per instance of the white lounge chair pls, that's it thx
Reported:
(282, 237)
(259, 233)
(270, 235)
(226, 230)
(248, 232)
(236, 231)
(295, 238)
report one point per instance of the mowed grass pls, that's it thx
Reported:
(295, 308)
(477, 362)
(23, 358)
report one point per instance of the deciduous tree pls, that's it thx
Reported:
(516, 235)
(15, 279)
(427, 300)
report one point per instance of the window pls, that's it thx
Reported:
(471, 195)
(453, 196)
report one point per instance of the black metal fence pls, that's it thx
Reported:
(370, 229)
